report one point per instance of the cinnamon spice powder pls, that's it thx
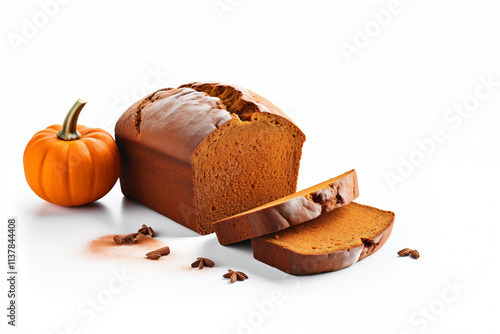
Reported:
(106, 247)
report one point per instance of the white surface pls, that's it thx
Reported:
(362, 114)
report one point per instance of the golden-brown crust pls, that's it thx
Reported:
(173, 121)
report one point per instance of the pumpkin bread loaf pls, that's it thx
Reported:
(288, 211)
(332, 241)
(206, 151)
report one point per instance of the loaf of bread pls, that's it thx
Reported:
(206, 151)
(288, 211)
(332, 241)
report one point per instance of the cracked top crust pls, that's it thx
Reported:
(238, 100)
(289, 211)
(174, 121)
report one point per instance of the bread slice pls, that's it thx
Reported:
(206, 151)
(332, 241)
(288, 211)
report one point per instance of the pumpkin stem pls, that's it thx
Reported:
(68, 131)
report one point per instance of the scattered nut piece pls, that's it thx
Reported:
(202, 262)
(131, 238)
(153, 256)
(157, 253)
(404, 252)
(408, 251)
(146, 230)
(143, 229)
(235, 275)
(119, 240)
(414, 254)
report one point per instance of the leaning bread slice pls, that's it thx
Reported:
(288, 211)
(332, 241)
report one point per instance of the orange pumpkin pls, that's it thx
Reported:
(71, 165)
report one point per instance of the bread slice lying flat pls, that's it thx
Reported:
(288, 211)
(332, 241)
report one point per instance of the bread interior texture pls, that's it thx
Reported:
(249, 161)
(343, 228)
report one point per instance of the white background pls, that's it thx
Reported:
(366, 112)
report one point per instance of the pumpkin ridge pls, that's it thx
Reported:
(68, 180)
(99, 135)
(39, 145)
(59, 148)
(40, 174)
(104, 150)
(54, 127)
(90, 154)
(44, 134)
(41, 178)
(84, 129)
